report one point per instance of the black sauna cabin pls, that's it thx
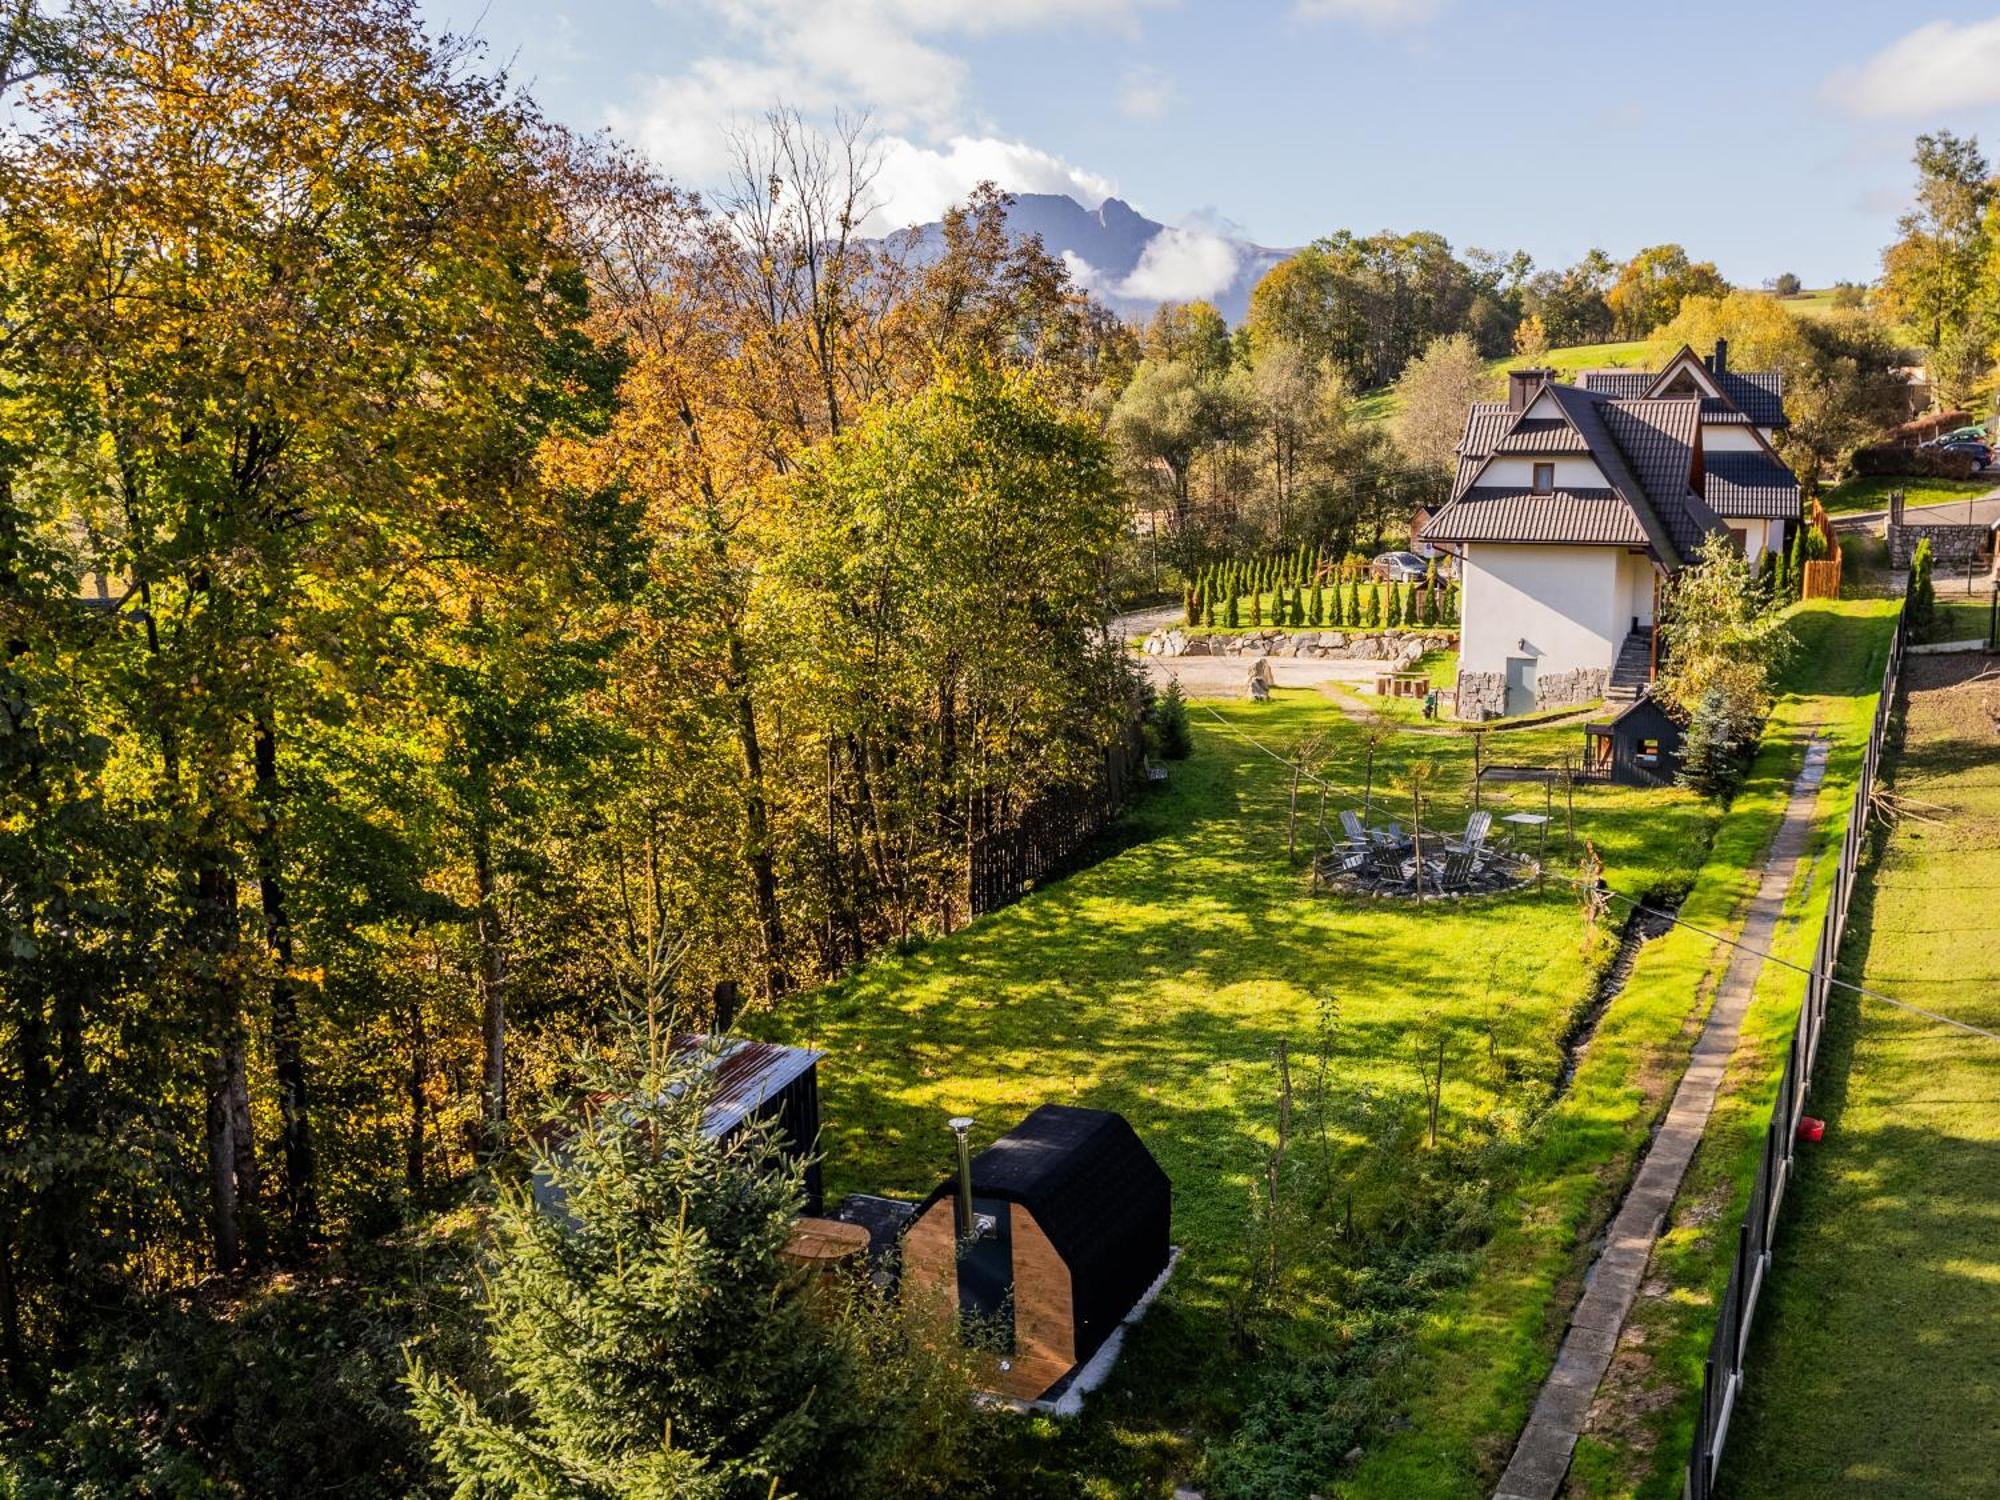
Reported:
(749, 1081)
(1070, 1224)
(1639, 747)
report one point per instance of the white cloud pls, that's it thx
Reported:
(1368, 12)
(1181, 265)
(1144, 93)
(1940, 66)
(887, 59)
(917, 183)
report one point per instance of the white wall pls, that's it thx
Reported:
(1635, 588)
(1728, 437)
(1573, 473)
(1565, 602)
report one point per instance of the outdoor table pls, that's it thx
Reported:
(1534, 820)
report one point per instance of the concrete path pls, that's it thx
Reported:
(1541, 1458)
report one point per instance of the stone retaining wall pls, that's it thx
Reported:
(1952, 547)
(1395, 647)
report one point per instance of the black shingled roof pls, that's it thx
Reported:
(1758, 395)
(1643, 446)
(1750, 486)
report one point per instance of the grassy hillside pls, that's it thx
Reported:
(1378, 405)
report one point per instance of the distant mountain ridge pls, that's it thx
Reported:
(1132, 263)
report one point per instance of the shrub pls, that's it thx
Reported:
(1885, 460)
(1192, 598)
(1170, 722)
(1256, 609)
(1229, 613)
(1318, 607)
(1921, 602)
(1717, 747)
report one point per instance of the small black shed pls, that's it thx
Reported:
(1639, 747)
(1072, 1217)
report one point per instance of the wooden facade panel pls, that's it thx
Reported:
(1044, 1311)
(930, 1270)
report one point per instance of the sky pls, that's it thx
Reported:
(1765, 135)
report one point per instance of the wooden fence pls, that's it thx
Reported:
(1055, 834)
(1822, 579)
(1722, 1376)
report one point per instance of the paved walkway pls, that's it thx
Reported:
(1541, 1459)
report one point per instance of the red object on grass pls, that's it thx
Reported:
(1810, 1129)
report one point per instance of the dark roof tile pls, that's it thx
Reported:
(1590, 516)
(1750, 486)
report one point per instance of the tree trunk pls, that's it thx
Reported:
(232, 1154)
(757, 819)
(492, 982)
(287, 1045)
(413, 1162)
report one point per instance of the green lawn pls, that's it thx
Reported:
(1637, 1444)
(1875, 1371)
(1161, 982)
(1853, 495)
(1380, 404)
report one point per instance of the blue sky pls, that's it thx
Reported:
(1765, 136)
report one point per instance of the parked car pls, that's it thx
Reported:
(1982, 453)
(1400, 567)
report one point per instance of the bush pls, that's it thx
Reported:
(1170, 723)
(1921, 604)
(1717, 748)
(1886, 460)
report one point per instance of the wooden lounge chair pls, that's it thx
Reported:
(1350, 824)
(1456, 873)
(1474, 838)
(1391, 865)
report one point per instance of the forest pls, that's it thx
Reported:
(462, 592)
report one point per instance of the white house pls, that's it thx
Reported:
(1573, 502)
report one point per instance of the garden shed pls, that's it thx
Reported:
(1639, 747)
(1069, 1225)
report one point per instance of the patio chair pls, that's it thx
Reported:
(1456, 873)
(1474, 838)
(1391, 865)
(1350, 824)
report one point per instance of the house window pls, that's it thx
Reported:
(1545, 479)
(1740, 536)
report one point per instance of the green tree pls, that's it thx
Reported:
(658, 1249)
(1170, 722)
(1720, 650)
(1931, 274)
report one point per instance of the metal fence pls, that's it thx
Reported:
(1722, 1377)
(1054, 835)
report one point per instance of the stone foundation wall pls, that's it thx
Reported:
(1482, 695)
(1952, 547)
(1580, 685)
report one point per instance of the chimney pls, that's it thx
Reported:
(1720, 362)
(961, 1126)
(1522, 385)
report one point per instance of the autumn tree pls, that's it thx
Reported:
(1432, 397)
(1652, 285)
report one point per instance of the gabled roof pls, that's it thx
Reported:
(1643, 446)
(1753, 396)
(1750, 486)
(1484, 424)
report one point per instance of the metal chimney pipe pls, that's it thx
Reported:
(961, 1126)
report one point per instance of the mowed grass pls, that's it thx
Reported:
(1856, 495)
(1876, 1368)
(1639, 1436)
(1161, 982)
